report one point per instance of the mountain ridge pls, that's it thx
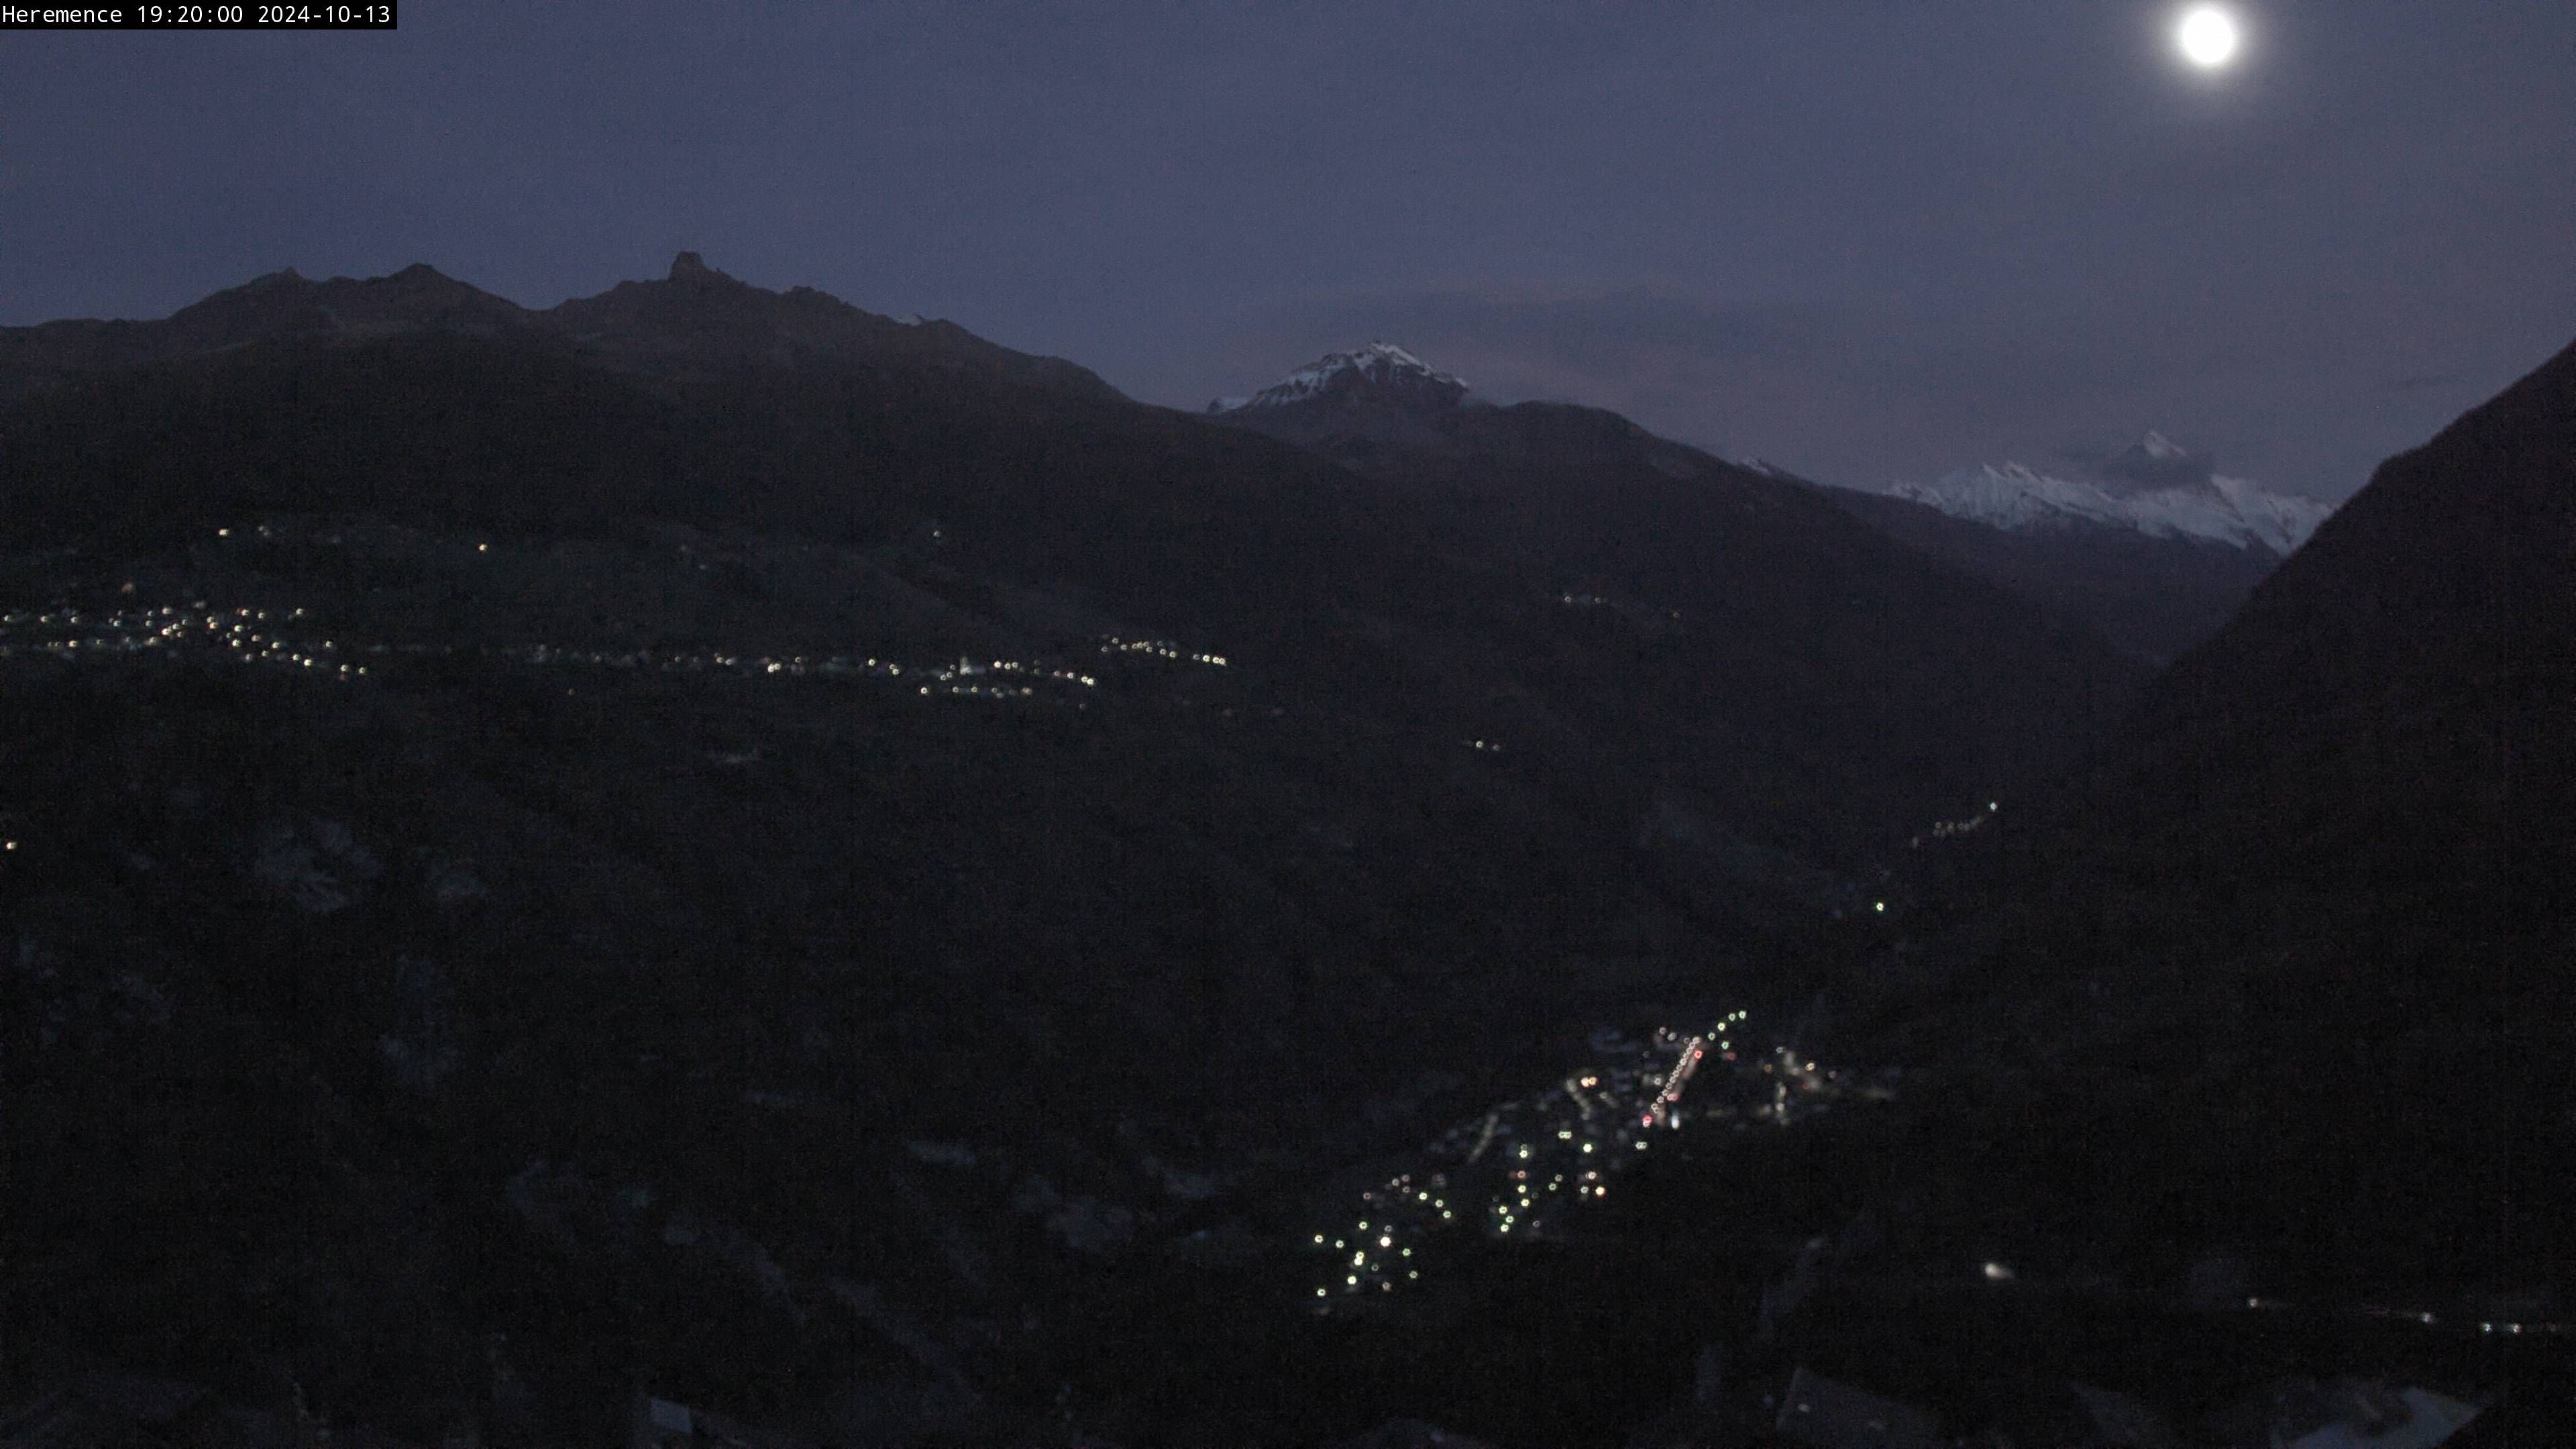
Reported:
(1653, 529)
(2201, 505)
(695, 316)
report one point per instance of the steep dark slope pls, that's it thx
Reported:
(2382, 723)
(2298, 945)
(2245, 1056)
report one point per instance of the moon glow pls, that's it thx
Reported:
(2207, 36)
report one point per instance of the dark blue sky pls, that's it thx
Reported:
(1866, 239)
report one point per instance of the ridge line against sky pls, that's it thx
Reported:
(1865, 241)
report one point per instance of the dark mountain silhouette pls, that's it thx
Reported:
(2156, 461)
(852, 846)
(697, 318)
(1776, 616)
(1383, 411)
(2299, 943)
(2400, 683)
(272, 308)
(702, 320)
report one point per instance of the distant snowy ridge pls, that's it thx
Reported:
(2161, 448)
(2214, 508)
(1379, 369)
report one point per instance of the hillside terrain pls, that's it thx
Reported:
(709, 839)
(2229, 1073)
(2323, 868)
(2284, 977)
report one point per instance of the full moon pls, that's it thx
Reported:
(2207, 36)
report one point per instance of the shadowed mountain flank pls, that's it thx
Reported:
(2303, 926)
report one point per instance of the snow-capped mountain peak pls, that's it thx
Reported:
(2191, 503)
(1381, 371)
(2156, 461)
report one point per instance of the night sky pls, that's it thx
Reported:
(1865, 239)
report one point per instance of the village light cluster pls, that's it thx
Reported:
(965, 678)
(1946, 829)
(242, 634)
(1159, 649)
(250, 636)
(2430, 1320)
(1518, 1168)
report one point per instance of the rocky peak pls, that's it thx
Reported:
(1380, 373)
(2156, 461)
(689, 269)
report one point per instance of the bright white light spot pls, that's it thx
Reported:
(2207, 36)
